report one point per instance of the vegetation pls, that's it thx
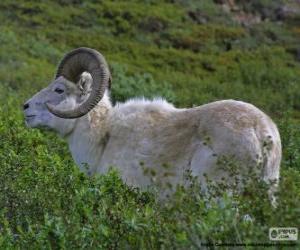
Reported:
(191, 52)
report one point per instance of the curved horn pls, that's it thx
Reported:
(71, 67)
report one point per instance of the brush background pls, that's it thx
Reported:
(190, 52)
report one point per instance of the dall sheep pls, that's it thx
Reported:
(141, 134)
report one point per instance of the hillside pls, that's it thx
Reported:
(189, 52)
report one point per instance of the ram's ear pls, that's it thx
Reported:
(85, 83)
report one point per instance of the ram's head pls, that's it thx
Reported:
(80, 82)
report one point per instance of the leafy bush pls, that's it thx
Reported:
(127, 86)
(46, 202)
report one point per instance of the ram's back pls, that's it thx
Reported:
(169, 141)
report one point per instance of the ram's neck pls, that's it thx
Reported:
(89, 137)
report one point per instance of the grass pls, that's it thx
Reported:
(153, 48)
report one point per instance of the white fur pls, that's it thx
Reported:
(142, 134)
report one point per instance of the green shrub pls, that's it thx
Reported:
(127, 86)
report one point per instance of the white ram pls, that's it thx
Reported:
(141, 134)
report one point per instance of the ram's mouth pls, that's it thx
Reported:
(28, 117)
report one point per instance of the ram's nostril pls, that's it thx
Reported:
(25, 106)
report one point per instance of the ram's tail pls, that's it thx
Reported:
(271, 152)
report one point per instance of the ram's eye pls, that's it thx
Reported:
(59, 91)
